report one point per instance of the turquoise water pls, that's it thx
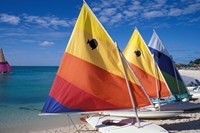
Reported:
(26, 85)
(22, 96)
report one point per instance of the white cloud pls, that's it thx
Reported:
(57, 22)
(105, 3)
(129, 13)
(108, 11)
(175, 12)
(46, 43)
(116, 18)
(135, 5)
(104, 19)
(119, 3)
(160, 2)
(96, 9)
(28, 41)
(11, 19)
(152, 14)
(140, 11)
(192, 8)
(48, 21)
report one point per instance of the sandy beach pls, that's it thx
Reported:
(190, 75)
(188, 122)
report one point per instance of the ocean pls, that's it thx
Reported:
(22, 95)
(26, 84)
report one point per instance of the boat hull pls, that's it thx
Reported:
(148, 114)
(179, 106)
(121, 124)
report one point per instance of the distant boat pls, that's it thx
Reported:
(4, 65)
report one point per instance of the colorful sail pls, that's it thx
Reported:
(90, 76)
(4, 66)
(142, 63)
(167, 66)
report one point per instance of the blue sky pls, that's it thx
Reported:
(35, 33)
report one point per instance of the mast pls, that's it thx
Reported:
(129, 89)
(156, 79)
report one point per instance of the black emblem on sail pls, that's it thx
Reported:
(137, 53)
(93, 43)
(158, 54)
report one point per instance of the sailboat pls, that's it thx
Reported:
(171, 75)
(142, 63)
(4, 65)
(149, 76)
(93, 77)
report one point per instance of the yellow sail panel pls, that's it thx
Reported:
(91, 38)
(137, 53)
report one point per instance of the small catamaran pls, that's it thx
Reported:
(92, 76)
(171, 75)
(4, 66)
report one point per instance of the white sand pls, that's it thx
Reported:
(188, 122)
(190, 75)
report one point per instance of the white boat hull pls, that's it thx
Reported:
(148, 114)
(194, 91)
(122, 125)
(179, 106)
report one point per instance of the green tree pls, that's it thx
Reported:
(197, 61)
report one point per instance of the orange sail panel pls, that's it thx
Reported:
(142, 63)
(90, 76)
